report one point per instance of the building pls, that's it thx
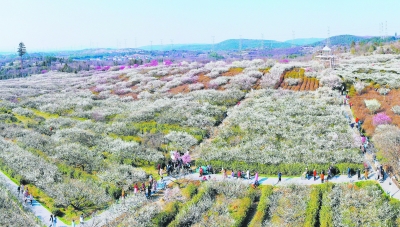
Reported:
(326, 56)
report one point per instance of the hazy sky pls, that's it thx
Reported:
(73, 24)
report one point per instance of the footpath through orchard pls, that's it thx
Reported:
(37, 209)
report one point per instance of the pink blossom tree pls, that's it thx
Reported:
(381, 118)
(167, 62)
(186, 158)
(154, 63)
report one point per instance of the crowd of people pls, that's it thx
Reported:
(27, 196)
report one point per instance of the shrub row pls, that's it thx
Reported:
(239, 209)
(313, 208)
(262, 207)
(167, 215)
(193, 202)
(292, 169)
(325, 213)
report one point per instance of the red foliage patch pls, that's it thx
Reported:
(361, 112)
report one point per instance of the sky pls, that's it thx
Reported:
(45, 25)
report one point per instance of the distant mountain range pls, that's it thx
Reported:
(230, 45)
(234, 44)
(303, 42)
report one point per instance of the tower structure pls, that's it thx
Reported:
(326, 55)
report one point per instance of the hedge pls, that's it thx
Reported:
(313, 207)
(325, 213)
(263, 206)
(293, 169)
(239, 209)
(193, 202)
(167, 215)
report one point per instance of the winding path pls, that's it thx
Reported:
(37, 209)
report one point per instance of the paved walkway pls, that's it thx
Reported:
(38, 210)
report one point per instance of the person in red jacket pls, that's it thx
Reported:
(315, 174)
(322, 177)
(239, 174)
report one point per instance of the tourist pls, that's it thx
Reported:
(256, 176)
(143, 187)
(162, 183)
(81, 221)
(135, 188)
(22, 189)
(233, 174)
(148, 191)
(18, 189)
(315, 174)
(224, 173)
(329, 174)
(322, 177)
(348, 172)
(248, 174)
(73, 223)
(154, 186)
(51, 219)
(55, 221)
(201, 171)
(239, 174)
(307, 173)
(279, 177)
(366, 174)
(31, 199)
(358, 174)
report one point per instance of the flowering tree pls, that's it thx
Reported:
(381, 118)
(359, 86)
(373, 105)
(186, 158)
(181, 140)
(154, 63)
(331, 81)
(396, 109)
(167, 62)
(387, 140)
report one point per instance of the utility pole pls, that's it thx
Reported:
(262, 41)
(212, 44)
(328, 41)
(240, 44)
(386, 34)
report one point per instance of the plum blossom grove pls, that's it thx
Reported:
(273, 127)
(82, 138)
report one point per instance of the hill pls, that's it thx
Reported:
(227, 45)
(340, 40)
(304, 41)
